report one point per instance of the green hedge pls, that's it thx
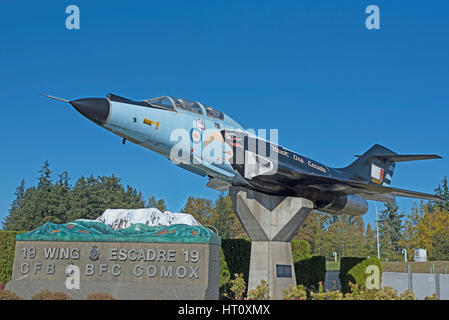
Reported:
(7, 247)
(237, 254)
(309, 270)
(353, 269)
(225, 276)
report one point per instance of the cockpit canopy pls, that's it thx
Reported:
(184, 104)
(164, 102)
(173, 103)
(214, 113)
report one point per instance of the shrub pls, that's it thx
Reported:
(49, 295)
(335, 295)
(320, 295)
(8, 295)
(386, 293)
(295, 293)
(433, 297)
(356, 293)
(225, 276)
(238, 286)
(100, 296)
(407, 295)
(7, 247)
(353, 269)
(310, 271)
(262, 292)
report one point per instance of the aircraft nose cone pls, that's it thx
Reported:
(95, 109)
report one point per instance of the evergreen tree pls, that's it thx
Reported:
(221, 218)
(370, 242)
(20, 194)
(390, 230)
(8, 223)
(159, 204)
(442, 191)
(45, 177)
(46, 203)
(60, 194)
(23, 218)
(92, 196)
(59, 202)
(79, 200)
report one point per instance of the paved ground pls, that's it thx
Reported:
(332, 281)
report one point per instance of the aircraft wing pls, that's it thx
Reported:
(369, 191)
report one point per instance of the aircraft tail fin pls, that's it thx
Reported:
(377, 164)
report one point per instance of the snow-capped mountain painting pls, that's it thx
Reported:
(119, 219)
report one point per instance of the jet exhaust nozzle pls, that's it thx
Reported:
(95, 109)
(353, 204)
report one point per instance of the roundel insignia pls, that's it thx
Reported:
(195, 135)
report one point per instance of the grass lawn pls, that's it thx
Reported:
(331, 265)
(416, 267)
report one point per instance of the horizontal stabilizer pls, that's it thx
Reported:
(404, 157)
(367, 190)
(401, 193)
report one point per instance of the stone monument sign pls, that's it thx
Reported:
(176, 261)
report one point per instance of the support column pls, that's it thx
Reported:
(271, 222)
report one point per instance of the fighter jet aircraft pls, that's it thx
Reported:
(204, 140)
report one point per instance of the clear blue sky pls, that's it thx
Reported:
(309, 68)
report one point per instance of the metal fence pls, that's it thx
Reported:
(421, 284)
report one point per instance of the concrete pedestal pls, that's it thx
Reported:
(271, 222)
